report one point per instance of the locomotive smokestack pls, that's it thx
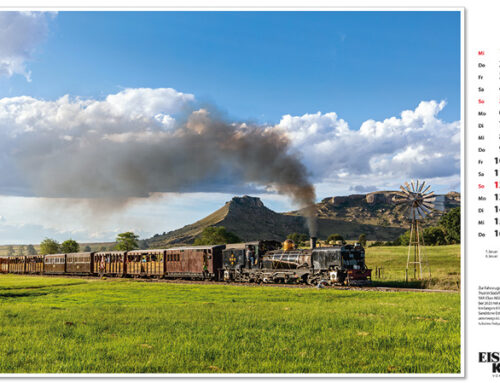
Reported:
(313, 242)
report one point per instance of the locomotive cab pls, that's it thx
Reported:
(341, 263)
(242, 260)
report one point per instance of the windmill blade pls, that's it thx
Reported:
(413, 213)
(428, 199)
(416, 214)
(401, 194)
(416, 187)
(427, 209)
(412, 187)
(407, 187)
(427, 188)
(421, 187)
(400, 202)
(428, 205)
(420, 213)
(428, 195)
(403, 190)
(409, 191)
(406, 212)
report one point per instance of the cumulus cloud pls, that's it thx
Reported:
(64, 136)
(21, 33)
(417, 144)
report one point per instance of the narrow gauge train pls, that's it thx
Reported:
(194, 262)
(338, 264)
(258, 261)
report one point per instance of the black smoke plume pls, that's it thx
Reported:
(202, 151)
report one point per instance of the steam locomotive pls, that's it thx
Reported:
(338, 264)
(258, 262)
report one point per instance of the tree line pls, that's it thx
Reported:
(124, 242)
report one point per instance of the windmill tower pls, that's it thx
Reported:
(420, 202)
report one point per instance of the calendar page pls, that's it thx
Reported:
(266, 190)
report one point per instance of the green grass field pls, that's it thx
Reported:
(70, 325)
(444, 264)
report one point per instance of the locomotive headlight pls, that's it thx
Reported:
(333, 275)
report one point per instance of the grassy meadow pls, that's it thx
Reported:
(65, 325)
(444, 262)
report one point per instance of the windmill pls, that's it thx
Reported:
(420, 202)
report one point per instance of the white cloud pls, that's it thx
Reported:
(21, 33)
(28, 124)
(127, 111)
(418, 144)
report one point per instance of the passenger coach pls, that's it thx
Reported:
(54, 264)
(196, 262)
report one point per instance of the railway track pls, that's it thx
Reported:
(197, 282)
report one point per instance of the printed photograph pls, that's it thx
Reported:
(230, 192)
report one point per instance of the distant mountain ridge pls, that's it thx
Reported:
(373, 214)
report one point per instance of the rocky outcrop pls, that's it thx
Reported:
(374, 214)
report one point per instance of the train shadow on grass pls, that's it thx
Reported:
(401, 284)
(41, 286)
(5, 295)
(432, 283)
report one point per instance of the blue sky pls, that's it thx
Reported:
(367, 99)
(256, 65)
